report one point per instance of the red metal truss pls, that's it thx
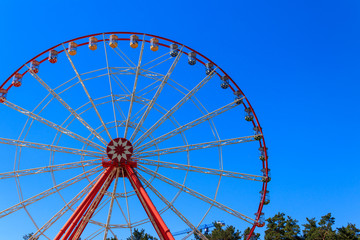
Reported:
(76, 224)
(158, 223)
(73, 221)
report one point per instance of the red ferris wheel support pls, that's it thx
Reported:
(154, 216)
(119, 152)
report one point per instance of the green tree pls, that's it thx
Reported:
(280, 227)
(325, 227)
(140, 235)
(310, 229)
(229, 233)
(247, 231)
(350, 232)
(321, 230)
(28, 236)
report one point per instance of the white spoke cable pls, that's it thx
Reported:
(134, 87)
(193, 147)
(171, 206)
(53, 125)
(87, 92)
(120, 84)
(127, 203)
(145, 206)
(191, 168)
(111, 203)
(49, 192)
(197, 195)
(92, 208)
(63, 210)
(111, 89)
(174, 108)
(74, 113)
(49, 147)
(165, 54)
(59, 167)
(187, 126)
(156, 95)
(156, 64)
(94, 234)
(117, 48)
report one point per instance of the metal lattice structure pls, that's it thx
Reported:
(117, 137)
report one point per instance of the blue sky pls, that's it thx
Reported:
(296, 61)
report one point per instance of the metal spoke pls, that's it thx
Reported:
(95, 234)
(94, 205)
(156, 64)
(111, 203)
(63, 210)
(197, 195)
(165, 54)
(174, 108)
(74, 113)
(53, 125)
(51, 168)
(171, 206)
(134, 88)
(122, 211)
(127, 203)
(201, 169)
(49, 147)
(120, 84)
(117, 47)
(187, 126)
(87, 93)
(49, 192)
(111, 90)
(157, 94)
(193, 147)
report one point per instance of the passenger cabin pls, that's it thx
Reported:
(72, 50)
(154, 44)
(266, 197)
(257, 133)
(224, 82)
(3, 94)
(134, 41)
(248, 115)
(113, 41)
(93, 43)
(53, 54)
(209, 68)
(17, 80)
(192, 58)
(174, 50)
(238, 97)
(261, 219)
(34, 66)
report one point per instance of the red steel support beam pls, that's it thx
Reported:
(83, 223)
(78, 213)
(158, 223)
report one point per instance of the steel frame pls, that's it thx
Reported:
(61, 130)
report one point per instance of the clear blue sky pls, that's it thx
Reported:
(297, 62)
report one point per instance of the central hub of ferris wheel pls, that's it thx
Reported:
(119, 150)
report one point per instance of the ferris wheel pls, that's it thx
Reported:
(120, 130)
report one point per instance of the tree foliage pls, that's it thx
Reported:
(350, 232)
(279, 227)
(28, 236)
(140, 235)
(256, 236)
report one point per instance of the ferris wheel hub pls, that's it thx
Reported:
(119, 150)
